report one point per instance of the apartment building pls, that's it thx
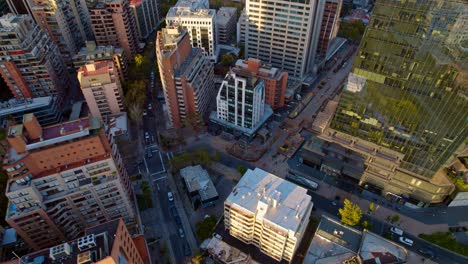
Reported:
(284, 34)
(19, 7)
(101, 88)
(240, 103)
(147, 16)
(107, 243)
(30, 62)
(226, 20)
(93, 53)
(199, 21)
(67, 22)
(241, 27)
(330, 25)
(62, 179)
(275, 80)
(186, 75)
(114, 24)
(45, 109)
(268, 212)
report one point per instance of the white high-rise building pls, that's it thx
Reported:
(268, 212)
(199, 21)
(283, 33)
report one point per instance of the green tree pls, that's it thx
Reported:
(241, 169)
(371, 207)
(198, 258)
(350, 213)
(395, 218)
(139, 60)
(135, 100)
(366, 225)
(227, 59)
(205, 228)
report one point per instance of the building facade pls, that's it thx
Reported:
(114, 24)
(67, 23)
(403, 109)
(19, 7)
(330, 25)
(268, 212)
(107, 243)
(45, 109)
(100, 84)
(275, 80)
(62, 179)
(199, 21)
(92, 53)
(186, 75)
(284, 34)
(226, 21)
(147, 16)
(30, 62)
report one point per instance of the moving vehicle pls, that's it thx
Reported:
(427, 253)
(181, 233)
(406, 241)
(170, 196)
(396, 231)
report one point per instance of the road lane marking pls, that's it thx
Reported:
(162, 162)
(160, 178)
(146, 165)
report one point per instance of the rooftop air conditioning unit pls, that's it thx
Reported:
(59, 251)
(84, 258)
(86, 242)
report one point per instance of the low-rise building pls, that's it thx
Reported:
(224, 253)
(226, 20)
(107, 243)
(268, 212)
(199, 186)
(45, 109)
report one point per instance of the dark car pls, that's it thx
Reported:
(174, 211)
(427, 253)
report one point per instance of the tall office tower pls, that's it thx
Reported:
(275, 80)
(199, 21)
(241, 102)
(226, 20)
(284, 34)
(330, 25)
(67, 23)
(30, 63)
(268, 212)
(404, 108)
(92, 53)
(147, 16)
(114, 24)
(108, 243)
(62, 179)
(101, 88)
(186, 75)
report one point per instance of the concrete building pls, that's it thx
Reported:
(240, 103)
(268, 212)
(241, 27)
(19, 7)
(107, 243)
(30, 62)
(199, 186)
(199, 21)
(114, 24)
(62, 179)
(275, 80)
(67, 23)
(284, 34)
(147, 16)
(93, 53)
(226, 21)
(330, 25)
(222, 252)
(101, 88)
(186, 75)
(45, 109)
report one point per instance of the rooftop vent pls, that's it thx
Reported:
(86, 242)
(59, 251)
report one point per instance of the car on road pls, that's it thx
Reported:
(396, 231)
(144, 113)
(334, 203)
(174, 211)
(181, 233)
(150, 107)
(177, 220)
(170, 196)
(427, 253)
(406, 241)
(149, 154)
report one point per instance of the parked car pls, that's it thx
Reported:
(181, 233)
(396, 231)
(149, 153)
(170, 196)
(150, 107)
(177, 220)
(174, 211)
(427, 253)
(144, 113)
(406, 241)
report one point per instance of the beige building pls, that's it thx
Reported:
(268, 212)
(100, 84)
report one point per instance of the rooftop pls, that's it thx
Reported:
(96, 68)
(17, 105)
(170, 37)
(197, 179)
(249, 68)
(191, 8)
(376, 249)
(287, 203)
(225, 14)
(225, 253)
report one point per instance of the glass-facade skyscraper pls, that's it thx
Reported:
(407, 94)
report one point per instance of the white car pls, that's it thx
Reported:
(144, 112)
(170, 196)
(146, 135)
(150, 107)
(396, 231)
(406, 241)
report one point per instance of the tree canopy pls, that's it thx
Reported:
(350, 213)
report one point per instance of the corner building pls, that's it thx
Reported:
(404, 108)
